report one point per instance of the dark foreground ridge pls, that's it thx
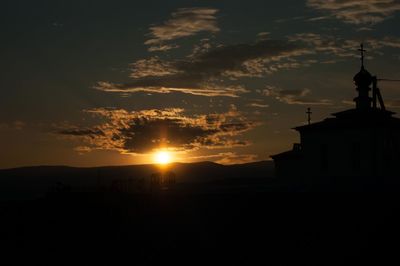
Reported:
(191, 214)
(201, 229)
(28, 183)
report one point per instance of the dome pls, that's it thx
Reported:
(363, 78)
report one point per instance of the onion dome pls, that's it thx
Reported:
(363, 78)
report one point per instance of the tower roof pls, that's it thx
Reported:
(363, 78)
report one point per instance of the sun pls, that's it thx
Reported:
(162, 157)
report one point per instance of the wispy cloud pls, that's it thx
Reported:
(152, 67)
(391, 42)
(183, 23)
(147, 130)
(327, 44)
(225, 158)
(339, 48)
(301, 97)
(258, 105)
(234, 158)
(263, 35)
(203, 72)
(15, 125)
(208, 90)
(357, 11)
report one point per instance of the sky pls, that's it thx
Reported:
(89, 83)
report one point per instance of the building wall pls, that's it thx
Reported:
(356, 153)
(288, 169)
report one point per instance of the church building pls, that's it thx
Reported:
(360, 144)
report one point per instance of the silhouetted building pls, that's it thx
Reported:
(357, 144)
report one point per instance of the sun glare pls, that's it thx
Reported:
(162, 157)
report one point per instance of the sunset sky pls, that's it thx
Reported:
(87, 83)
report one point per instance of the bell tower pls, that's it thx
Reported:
(363, 81)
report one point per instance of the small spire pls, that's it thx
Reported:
(309, 115)
(362, 50)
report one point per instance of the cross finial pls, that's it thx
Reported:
(309, 115)
(362, 50)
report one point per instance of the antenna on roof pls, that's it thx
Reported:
(376, 93)
(391, 80)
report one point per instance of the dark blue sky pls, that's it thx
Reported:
(110, 82)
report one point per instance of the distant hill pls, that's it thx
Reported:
(36, 181)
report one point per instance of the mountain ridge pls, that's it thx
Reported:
(38, 180)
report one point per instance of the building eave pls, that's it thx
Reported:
(287, 155)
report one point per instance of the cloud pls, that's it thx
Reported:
(327, 44)
(225, 158)
(15, 125)
(205, 72)
(258, 105)
(183, 23)
(243, 57)
(76, 131)
(233, 158)
(162, 47)
(391, 42)
(357, 11)
(300, 97)
(82, 149)
(263, 35)
(395, 103)
(209, 90)
(339, 48)
(215, 71)
(144, 131)
(153, 67)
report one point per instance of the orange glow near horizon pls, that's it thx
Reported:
(162, 157)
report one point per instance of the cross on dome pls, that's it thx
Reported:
(362, 50)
